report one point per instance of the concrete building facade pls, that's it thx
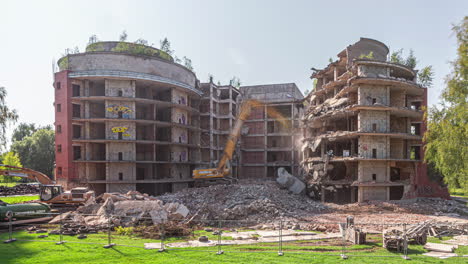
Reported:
(127, 118)
(363, 129)
(268, 143)
(218, 112)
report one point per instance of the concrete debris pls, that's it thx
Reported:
(458, 240)
(20, 189)
(440, 247)
(203, 239)
(328, 105)
(256, 202)
(286, 180)
(440, 255)
(124, 210)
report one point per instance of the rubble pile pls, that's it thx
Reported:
(316, 175)
(286, 180)
(424, 206)
(122, 210)
(263, 201)
(448, 229)
(19, 189)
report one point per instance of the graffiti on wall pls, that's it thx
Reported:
(116, 109)
(122, 130)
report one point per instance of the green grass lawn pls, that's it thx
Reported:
(28, 252)
(459, 192)
(9, 184)
(19, 199)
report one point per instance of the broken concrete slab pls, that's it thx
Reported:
(158, 216)
(176, 210)
(440, 255)
(60, 217)
(107, 208)
(290, 182)
(440, 247)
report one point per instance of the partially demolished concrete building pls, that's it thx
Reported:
(363, 129)
(128, 117)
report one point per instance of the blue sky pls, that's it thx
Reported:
(257, 41)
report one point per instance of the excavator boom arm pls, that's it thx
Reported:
(244, 113)
(14, 171)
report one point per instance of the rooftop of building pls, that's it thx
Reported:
(273, 92)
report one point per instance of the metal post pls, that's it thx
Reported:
(61, 232)
(280, 239)
(219, 239)
(343, 242)
(405, 243)
(162, 235)
(9, 214)
(109, 242)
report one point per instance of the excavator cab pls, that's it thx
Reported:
(48, 192)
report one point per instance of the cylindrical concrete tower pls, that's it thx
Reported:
(127, 118)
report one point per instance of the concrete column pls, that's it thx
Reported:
(360, 195)
(265, 122)
(322, 194)
(388, 96)
(85, 88)
(86, 110)
(212, 158)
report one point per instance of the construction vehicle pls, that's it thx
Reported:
(223, 171)
(50, 192)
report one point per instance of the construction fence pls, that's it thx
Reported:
(341, 240)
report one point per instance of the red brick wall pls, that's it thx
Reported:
(423, 186)
(63, 118)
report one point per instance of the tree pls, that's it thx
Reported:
(411, 60)
(37, 151)
(425, 76)
(165, 46)
(123, 36)
(23, 130)
(447, 135)
(93, 39)
(235, 81)
(188, 63)
(141, 41)
(12, 159)
(7, 116)
(396, 57)
(26, 130)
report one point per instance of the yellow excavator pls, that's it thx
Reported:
(50, 192)
(223, 170)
